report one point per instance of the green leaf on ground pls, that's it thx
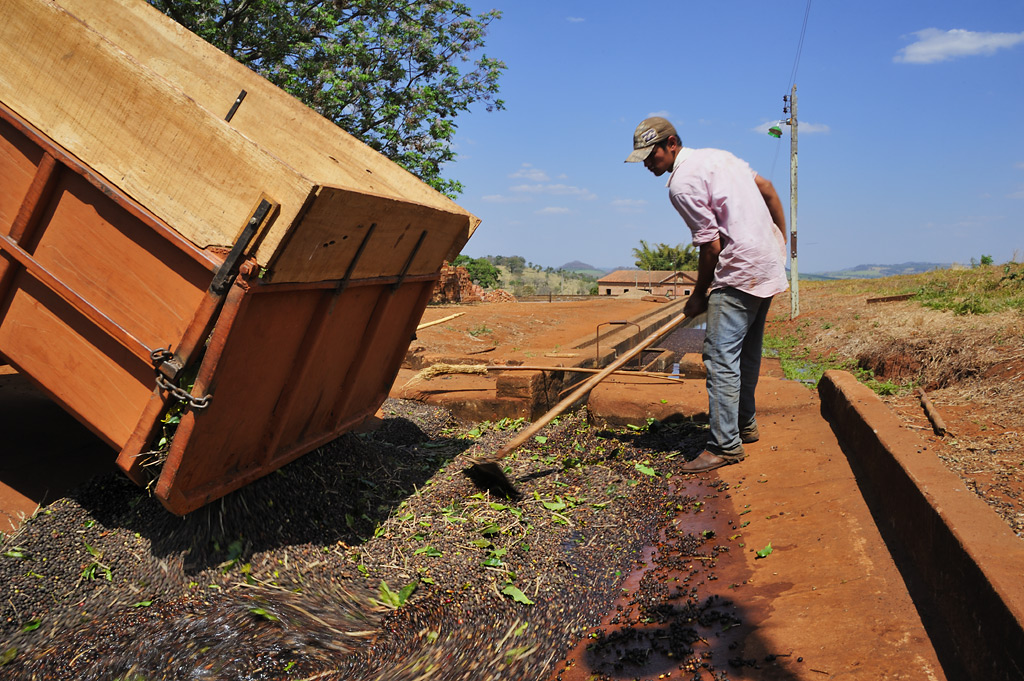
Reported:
(260, 612)
(646, 470)
(765, 552)
(517, 595)
(556, 505)
(428, 551)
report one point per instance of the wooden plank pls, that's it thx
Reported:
(137, 129)
(891, 299)
(83, 369)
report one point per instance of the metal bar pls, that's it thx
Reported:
(93, 314)
(206, 258)
(227, 271)
(408, 261)
(346, 280)
(234, 107)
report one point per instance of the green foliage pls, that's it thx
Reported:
(517, 595)
(979, 290)
(394, 599)
(393, 74)
(480, 270)
(526, 279)
(665, 257)
(514, 263)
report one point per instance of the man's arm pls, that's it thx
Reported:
(771, 199)
(707, 260)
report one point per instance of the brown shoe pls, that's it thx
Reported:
(706, 461)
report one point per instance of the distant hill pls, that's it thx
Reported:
(877, 271)
(584, 268)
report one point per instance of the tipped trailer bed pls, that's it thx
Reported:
(207, 274)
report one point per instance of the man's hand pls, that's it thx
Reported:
(696, 304)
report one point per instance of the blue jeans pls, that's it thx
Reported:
(732, 356)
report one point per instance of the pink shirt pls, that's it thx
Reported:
(715, 193)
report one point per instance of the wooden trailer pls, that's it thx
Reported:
(181, 239)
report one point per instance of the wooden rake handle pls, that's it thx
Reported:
(585, 388)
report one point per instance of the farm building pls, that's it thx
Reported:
(647, 282)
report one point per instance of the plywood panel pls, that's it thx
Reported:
(132, 126)
(276, 121)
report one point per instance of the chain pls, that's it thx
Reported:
(161, 355)
(182, 394)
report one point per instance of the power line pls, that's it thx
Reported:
(796, 66)
(799, 48)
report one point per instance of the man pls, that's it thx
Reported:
(737, 221)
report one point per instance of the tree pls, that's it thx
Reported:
(480, 270)
(393, 73)
(665, 257)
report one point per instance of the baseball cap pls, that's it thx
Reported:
(648, 133)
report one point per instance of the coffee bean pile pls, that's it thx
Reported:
(375, 557)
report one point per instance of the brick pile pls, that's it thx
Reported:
(455, 286)
(498, 295)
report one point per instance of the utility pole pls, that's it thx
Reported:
(794, 281)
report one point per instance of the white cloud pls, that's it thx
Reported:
(555, 190)
(1019, 165)
(1019, 194)
(933, 45)
(575, 20)
(553, 210)
(803, 127)
(528, 172)
(498, 198)
(629, 205)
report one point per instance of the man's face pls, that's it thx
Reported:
(660, 160)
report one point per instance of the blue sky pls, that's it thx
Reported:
(910, 113)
